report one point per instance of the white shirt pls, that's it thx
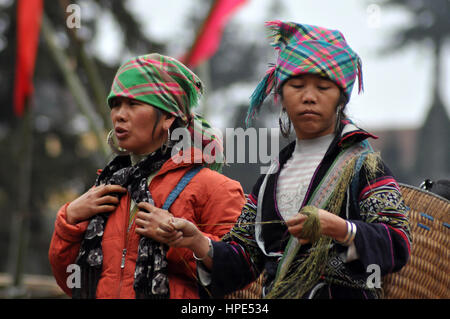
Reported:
(296, 176)
(297, 173)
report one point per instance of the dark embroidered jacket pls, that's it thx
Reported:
(375, 206)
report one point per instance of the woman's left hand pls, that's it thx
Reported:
(150, 218)
(330, 225)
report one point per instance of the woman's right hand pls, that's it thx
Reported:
(95, 201)
(183, 233)
(188, 233)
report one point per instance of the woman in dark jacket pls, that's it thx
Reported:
(328, 219)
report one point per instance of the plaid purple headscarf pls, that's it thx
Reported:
(309, 49)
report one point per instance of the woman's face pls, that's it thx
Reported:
(310, 102)
(133, 123)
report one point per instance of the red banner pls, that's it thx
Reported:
(29, 13)
(208, 39)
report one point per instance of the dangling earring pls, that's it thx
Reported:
(338, 118)
(167, 143)
(113, 144)
(285, 132)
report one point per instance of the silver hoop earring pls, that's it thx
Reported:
(338, 117)
(167, 143)
(113, 144)
(285, 132)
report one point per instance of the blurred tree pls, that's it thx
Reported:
(242, 60)
(430, 26)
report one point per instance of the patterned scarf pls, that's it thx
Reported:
(307, 49)
(150, 278)
(169, 85)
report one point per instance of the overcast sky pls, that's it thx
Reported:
(397, 86)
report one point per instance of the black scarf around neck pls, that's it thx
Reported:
(150, 277)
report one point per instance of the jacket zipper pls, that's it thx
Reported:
(128, 228)
(122, 263)
(124, 250)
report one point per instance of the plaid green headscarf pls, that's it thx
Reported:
(167, 84)
(307, 49)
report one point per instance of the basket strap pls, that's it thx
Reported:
(355, 181)
(180, 186)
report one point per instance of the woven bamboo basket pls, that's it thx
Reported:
(252, 291)
(427, 273)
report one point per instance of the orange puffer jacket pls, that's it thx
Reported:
(209, 198)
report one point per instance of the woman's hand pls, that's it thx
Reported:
(331, 225)
(150, 219)
(95, 201)
(183, 233)
(190, 236)
(175, 232)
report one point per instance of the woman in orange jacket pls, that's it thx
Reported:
(107, 236)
